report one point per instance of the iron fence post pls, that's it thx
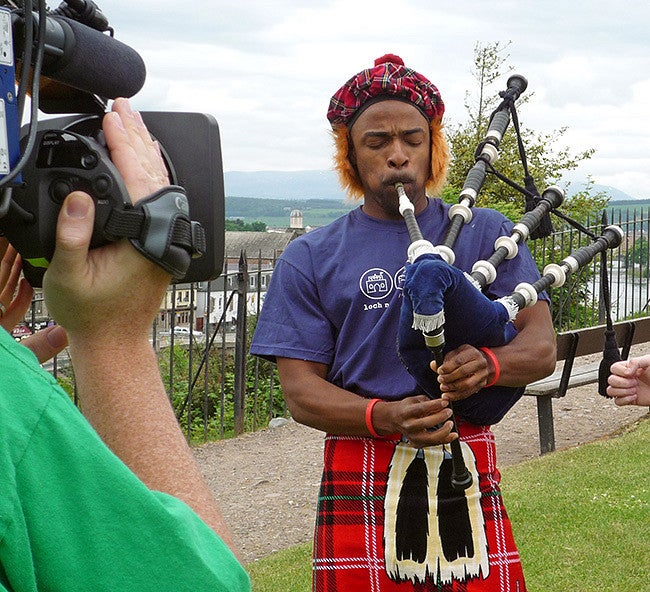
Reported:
(240, 344)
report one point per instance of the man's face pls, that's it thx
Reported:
(390, 143)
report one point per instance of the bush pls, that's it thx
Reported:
(204, 399)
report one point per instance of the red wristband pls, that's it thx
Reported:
(369, 426)
(497, 368)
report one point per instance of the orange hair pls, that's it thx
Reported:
(348, 175)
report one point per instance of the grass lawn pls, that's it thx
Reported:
(581, 519)
(582, 516)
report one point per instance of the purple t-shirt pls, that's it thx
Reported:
(336, 292)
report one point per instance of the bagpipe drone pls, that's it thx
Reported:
(444, 307)
(67, 64)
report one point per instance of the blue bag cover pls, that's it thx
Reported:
(432, 286)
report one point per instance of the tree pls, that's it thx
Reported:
(546, 162)
(240, 225)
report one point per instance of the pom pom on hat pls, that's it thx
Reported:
(389, 58)
(389, 79)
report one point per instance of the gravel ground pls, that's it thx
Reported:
(267, 482)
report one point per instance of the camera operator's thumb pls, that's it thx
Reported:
(67, 284)
(73, 233)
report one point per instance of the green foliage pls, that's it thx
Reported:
(65, 379)
(639, 251)
(586, 205)
(239, 224)
(204, 401)
(547, 160)
(575, 304)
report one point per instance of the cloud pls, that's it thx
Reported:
(266, 70)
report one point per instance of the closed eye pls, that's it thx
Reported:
(376, 140)
(414, 138)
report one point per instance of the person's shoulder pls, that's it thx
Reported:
(481, 216)
(489, 214)
(14, 354)
(490, 220)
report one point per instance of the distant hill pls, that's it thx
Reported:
(270, 196)
(275, 213)
(614, 194)
(324, 184)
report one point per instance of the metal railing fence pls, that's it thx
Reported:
(218, 390)
(579, 303)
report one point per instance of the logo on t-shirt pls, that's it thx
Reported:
(400, 276)
(377, 283)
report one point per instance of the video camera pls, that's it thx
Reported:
(82, 69)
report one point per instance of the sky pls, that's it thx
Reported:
(267, 69)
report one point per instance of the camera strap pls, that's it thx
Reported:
(160, 228)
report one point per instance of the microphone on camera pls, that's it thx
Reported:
(85, 59)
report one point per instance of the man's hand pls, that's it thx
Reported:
(13, 305)
(464, 372)
(110, 293)
(422, 421)
(48, 342)
(629, 381)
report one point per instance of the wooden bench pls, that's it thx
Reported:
(572, 345)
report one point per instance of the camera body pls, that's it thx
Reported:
(70, 154)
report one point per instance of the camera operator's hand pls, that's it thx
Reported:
(110, 292)
(106, 299)
(48, 342)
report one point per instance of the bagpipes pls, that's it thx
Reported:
(434, 316)
(434, 525)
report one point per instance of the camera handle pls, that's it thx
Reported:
(159, 227)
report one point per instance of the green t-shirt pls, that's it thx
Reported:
(74, 517)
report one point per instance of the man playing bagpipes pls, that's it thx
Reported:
(388, 517)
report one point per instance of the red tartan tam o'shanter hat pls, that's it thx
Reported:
(389, 79)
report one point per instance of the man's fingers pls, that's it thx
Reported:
(432, 437)
(136, 155)
(626, 400)
(47, 343)
(18, 307)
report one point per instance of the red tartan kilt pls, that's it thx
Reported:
(349, 534)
